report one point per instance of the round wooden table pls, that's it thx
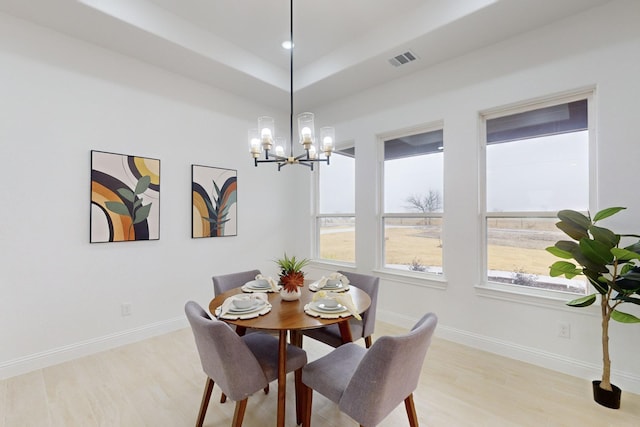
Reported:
(290, 316)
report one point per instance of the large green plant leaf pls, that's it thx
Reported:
(596, 252)
(564, 268)
(625, 254)
(583, 301)
(567, 245)
(587, 263)
(621, 317)
(572, 230)
(595, 279)
(629, 282)
(554, 250)
(574, 217)
(573, 223)
(633, 248)
(604, 236)
(627, 298)
(606, 213)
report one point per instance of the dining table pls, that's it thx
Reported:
(290, 317)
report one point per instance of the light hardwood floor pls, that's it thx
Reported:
(158, 382)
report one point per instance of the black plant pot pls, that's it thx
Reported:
(610, 399)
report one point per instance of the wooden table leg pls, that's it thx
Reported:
(295, 338)
(282, 376)
(345, 332)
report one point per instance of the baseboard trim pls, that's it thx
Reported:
(566, 365)
(32, 362)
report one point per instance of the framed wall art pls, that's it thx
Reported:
(214, 196)
(125, 198)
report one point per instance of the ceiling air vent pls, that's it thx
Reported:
(403, 58)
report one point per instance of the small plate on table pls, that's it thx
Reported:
(317, 309)
(339, 287)
(257, 286)
(259, 307)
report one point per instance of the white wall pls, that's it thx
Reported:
(597, 49)
(61, 98)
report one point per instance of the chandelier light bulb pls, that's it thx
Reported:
(255, 146)
(312, 152)
(327, 135)
(306, 134)
(280, 143)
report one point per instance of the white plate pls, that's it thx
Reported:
(255, 306)
(266, 308)
(311, 311)
(323, 308)
(342, 288)
(254, 285)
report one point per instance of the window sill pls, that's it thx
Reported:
(427, 280)
(328, 264)
(530, 296)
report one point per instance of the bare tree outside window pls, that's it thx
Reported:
(425, 203)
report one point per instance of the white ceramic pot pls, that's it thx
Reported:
(290, 296)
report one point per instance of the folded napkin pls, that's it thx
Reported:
(227, 304)
(272, 282)
(333, 276)
(342, 299)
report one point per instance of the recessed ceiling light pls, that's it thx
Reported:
(287, 44)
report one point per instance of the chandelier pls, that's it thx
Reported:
(263, 139)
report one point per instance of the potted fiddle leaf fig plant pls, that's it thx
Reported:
(291, 276)
(612, 267)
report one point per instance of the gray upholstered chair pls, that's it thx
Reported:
(359, 329)
(239, 365)
(367, 384)
(227, 282)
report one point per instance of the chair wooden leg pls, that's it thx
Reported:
(367, 341)
(238, 414)
(223, 398)
(411, 411)
(307, 400)
(266, 389)
(299, 397)
(208, 388)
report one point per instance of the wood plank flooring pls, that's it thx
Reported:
(159, 381)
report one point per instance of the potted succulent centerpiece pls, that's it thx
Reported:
(291, 276)
(613, 271)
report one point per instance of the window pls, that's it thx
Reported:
(335, 221)
(413, 202)
(537, 163)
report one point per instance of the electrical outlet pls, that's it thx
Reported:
(126, 309)
(564, 330)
